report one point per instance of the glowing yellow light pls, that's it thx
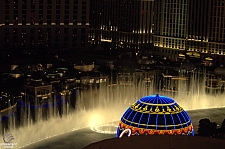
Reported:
(95, 120)
(181, 55)
(208, 58)
(106, 40)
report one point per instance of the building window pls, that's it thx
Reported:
(48, 22)
(40, 19)
(57, 11)
(15, 30)
(66, 6)
(57, 6)
(49, 2)
(23, 20)
(49, 17)
(32, 17)
(83, 30)
(7, 20)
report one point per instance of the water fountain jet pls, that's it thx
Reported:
(110, 103)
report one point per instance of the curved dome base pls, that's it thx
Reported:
(122, 131)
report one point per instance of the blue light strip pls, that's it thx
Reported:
(128, 115)
(156, 123)
(138, 102)
(135, 116)
(124, 115)
(164, 114)
(148, 100)
(193, 132)
(118, 132)
(184, 117)
(140, 119)
(151, 99)
(187, 115)
(165, 121)
(173, 121)
(149, 115)
(180, 120)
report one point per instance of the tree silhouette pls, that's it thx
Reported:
(206, 128)
(223, 128)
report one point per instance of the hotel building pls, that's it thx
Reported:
(170, 28)
(121, 23)
(176, 28)
(190, 27)
(44, 23)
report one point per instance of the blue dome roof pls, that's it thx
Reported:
(156, 112)
(156, 99)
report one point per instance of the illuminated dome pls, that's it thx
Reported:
(155, 114)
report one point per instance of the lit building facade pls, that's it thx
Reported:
(37, 93)
(192, 27)
(121, 24)
(206, 29)
(44, 23)
(170, 28)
